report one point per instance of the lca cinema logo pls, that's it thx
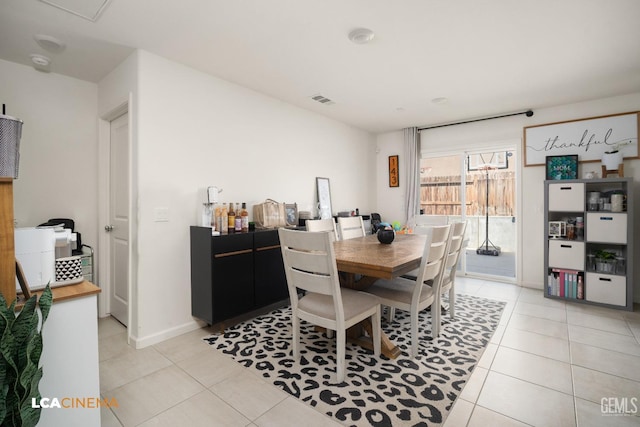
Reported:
(74, 403)
(619, 406)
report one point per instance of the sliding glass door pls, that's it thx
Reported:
(480, 188)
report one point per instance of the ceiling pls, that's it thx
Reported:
(486, 57)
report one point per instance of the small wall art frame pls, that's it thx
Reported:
(562, 167)
(394, 175)
(557, 229)
(291, 212)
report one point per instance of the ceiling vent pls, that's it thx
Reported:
(322, 99)
(86, 9)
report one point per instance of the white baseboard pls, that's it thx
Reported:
(532, 285)
(142, 342)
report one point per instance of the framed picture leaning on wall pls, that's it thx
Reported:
(562, 167)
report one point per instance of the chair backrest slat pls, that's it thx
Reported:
(311, 282)
(455, 248)
(350, 227)
(436, 246)
(310, 264)
(322, 225)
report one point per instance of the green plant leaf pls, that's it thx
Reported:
(46, 300)
(23, 336)
(3, 399)
(34, 351)
(29, 415)
(22, 328)
(20, 352)
(8, 350)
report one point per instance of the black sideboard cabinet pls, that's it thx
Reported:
(233, 274)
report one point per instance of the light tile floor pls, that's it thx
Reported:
(550, 363)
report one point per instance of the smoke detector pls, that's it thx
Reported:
(50, 43)
(361, 35)
(40, 62)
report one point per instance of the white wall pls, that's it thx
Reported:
(486, 133)
(390, 199)
(58, 150)
(194, 130)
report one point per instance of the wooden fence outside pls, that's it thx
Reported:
(440, 195)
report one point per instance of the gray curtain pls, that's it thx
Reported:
(412, 173)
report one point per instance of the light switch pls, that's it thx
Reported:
(161, 214)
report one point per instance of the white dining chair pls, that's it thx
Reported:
(350, 227)
(322, 225)
(458, 230)
(310, 265)
(416, 295)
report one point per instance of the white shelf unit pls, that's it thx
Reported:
(567, 260)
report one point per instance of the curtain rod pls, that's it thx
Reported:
(528, 113)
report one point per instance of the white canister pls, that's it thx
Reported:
(617, 202)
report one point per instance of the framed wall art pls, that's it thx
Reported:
(394, 177)
(324, 198)
(589, 138)
(562, 167)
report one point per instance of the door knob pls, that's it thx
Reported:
(108, 228)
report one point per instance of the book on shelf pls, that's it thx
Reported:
(564, 283)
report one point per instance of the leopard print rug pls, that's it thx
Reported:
(377, 391)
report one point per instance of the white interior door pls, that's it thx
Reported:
(118, 226)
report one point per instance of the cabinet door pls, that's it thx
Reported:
(232, 276)
(201, 269)
(566, 197)
(567, 254)
(607, 227)
(270, 279)
(605, 288)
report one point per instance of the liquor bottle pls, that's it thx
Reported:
(231, 219)
(245, 217)
(216, 217)
(580, 288)
(238, 223)
(223, 219)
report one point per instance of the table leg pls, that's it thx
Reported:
(355, 335)
(348, 280)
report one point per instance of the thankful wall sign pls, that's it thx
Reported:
(588, 138)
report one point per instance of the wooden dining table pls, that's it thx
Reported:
(372, 260)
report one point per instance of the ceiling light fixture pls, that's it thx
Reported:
(361, 35)
(50, 43)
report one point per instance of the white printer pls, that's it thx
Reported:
(36, 250)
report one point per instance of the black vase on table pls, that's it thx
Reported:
(386, 235)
